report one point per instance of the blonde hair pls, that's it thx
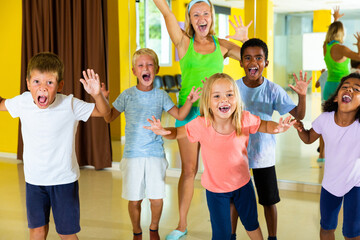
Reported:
(335, 32)
(205, 99)
(149, 52)
(189, 30)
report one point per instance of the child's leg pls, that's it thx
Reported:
(39, 233)
(329, 210)
(245, 203)
(219, 208)
(156, 206)
(234, 218)
(156, 210)
(351, 225)
(268, 193)
(134, 208)
(68, 237)
(189, 153)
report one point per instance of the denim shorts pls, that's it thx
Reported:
(62, 199)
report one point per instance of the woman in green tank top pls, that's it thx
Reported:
(201, 55)
(337, 56)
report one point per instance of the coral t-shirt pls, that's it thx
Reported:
(226, 166)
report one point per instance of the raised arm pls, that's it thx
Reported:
(181, 113)
(241, 34)
(307, 136)
(91, 83)
(175, 32)
(337, 14)
(339, 51)
(274, 128)
(300, 88)
(168, 133)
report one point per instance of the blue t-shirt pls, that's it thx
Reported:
(262, 101)
(138, 107)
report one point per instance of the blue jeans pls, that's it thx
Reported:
(219, 208)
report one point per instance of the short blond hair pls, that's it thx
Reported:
(149, 52)
(335, 32)
(189, 30)
(205, 99)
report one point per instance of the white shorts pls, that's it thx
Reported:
(143, 177)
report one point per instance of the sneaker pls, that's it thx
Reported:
(175, 235)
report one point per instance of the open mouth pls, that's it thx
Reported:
(224, 109)
(253, 71)
(146, 77)
(42, 100)
(202, 27)
(346, 99)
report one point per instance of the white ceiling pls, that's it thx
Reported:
(282, 6)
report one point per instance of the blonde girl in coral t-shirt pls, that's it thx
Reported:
(223, 129)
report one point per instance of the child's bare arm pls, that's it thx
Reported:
(300, 88)
(113, 114)
(2, 104)
(91, 83)
(274, 128)
(168, 133)
(307, 136)
(181, 113)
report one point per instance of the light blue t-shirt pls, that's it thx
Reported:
(262, 101)
(138, 107)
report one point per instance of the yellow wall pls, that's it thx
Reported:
(10, 68)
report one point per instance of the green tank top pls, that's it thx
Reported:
(335, 70)
(195, 67)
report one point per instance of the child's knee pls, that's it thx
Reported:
(156, 202)
(39, 233)
(135, 203)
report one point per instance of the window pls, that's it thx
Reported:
(151, 31)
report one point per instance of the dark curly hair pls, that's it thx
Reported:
(331, 106)
(255, 42)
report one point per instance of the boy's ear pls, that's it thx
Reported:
(60, 86)
(241, 63)
(266, 63)
(27, 83)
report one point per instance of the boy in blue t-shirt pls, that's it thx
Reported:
(143, 164)
(262, 97)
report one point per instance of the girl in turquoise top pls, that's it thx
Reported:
(201, 55)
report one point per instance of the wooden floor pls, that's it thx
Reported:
(104, 213)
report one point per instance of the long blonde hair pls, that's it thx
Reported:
(335, 32)
(189, 30)
(205, 99)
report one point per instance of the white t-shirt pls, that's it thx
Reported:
(49, 137)
(342, 154)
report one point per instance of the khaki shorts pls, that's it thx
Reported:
(143, 178)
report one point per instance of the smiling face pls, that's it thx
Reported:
(200, 18)
(222, 99)
(43, 87)
(144, 69)
(348, 96)
(253, 61)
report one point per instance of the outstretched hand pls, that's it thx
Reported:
(301, 84)
(155, 126)
(357, 36)
(284, 125)
(298, 125)
(194, 95)
(337, 14)
(91, 82)
(241, 31)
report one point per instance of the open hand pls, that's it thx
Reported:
(155, 126)
(91, 82)
(241, 31)
(104, 91)
(284, 125)
(301, 84)
(194, 95)
(298, 125)
(337, 14)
